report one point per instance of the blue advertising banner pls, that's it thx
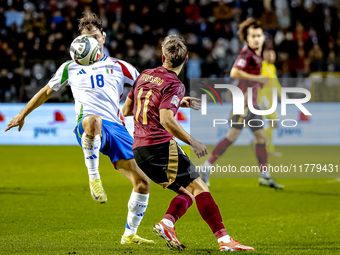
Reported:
(53, 124)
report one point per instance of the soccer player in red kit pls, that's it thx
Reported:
(247, 68)
(154, 100)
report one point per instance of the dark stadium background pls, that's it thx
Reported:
(35, 37)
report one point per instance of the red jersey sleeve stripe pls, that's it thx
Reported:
(126, 71)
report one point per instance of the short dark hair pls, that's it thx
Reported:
(245, 25)
(89, 20)
(175, 49)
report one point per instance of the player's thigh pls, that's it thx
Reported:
(153, 161)
(236, 125)
(260, 136)
(233, 133)
(131, 171)
(92, 124)
(197, 187)
(181, 171)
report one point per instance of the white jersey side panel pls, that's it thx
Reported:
(96, 88)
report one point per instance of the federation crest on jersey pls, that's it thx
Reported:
(241, 62)
(109, 69)
(175, 100)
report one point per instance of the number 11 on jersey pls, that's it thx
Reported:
(145, 106)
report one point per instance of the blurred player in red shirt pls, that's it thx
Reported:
(247, 68)
(154, 100)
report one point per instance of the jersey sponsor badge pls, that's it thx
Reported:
(241, 62)
(175, 100)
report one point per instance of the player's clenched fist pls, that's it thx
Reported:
(17, 120)
(198, 148)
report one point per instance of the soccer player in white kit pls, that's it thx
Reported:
(97, 89)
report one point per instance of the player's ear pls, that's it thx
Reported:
(104, 35)
(186, 59)
(163, 58)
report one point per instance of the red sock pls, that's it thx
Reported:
(178, 206)
(219, 149)
(261, 154)
(210, 213)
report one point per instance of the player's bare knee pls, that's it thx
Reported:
(260, 136)
(261, 140)
(197, 187)
(142, 185)
(231, 137)
(92, 125)
(232, 134)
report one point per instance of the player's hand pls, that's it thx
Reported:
(16, 121)
(264, 80)
(191, 102)
(199, 148)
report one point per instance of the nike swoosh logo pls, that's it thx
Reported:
(95, 197)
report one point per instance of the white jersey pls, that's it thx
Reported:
(96, 88)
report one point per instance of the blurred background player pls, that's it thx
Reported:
(265, 97)
(99, 128)
(154, 101)
(247, 68)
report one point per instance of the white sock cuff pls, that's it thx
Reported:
(140, 198)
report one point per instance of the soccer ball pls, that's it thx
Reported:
(85, 50)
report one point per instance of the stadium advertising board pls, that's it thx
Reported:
(53, 124)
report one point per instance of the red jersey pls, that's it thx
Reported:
(251, 63)
(154, 89)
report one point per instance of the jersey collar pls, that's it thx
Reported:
(104, 58)
(251, 49)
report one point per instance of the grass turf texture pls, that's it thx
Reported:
(46, 207)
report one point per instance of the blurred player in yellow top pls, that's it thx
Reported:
(265, 97)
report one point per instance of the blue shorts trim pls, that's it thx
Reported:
(116, 140)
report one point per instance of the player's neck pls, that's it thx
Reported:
(101, 57)
(176, 70)
(257, 51)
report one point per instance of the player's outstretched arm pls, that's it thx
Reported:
(127, 109)
(169, 122)
(42, 96)
(240, 74)
(191, 102)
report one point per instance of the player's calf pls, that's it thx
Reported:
(139, 197)
(91, 146)
(91, 143)
(211, 214)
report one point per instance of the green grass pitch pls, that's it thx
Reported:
(46, 207)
